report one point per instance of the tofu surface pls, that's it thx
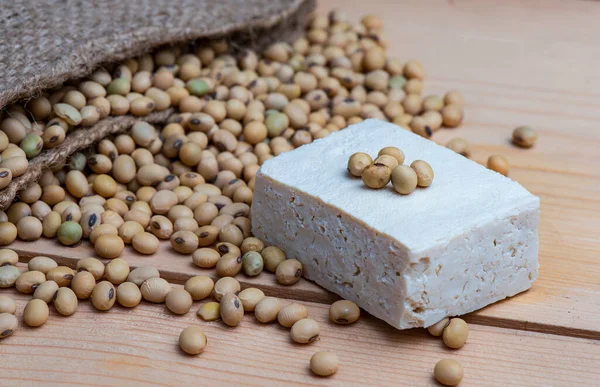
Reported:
(468, 240)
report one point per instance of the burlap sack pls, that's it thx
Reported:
(47, 42)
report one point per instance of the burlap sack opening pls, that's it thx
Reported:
(48, 42)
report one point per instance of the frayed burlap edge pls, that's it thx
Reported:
(76, 141)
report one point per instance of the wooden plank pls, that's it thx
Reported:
(139, 346)
(174, 267)
(513, 70)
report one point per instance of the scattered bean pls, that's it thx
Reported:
(305, 331)
(524, 136)
(344, 312)
(192, 340)
(498, 164)
(456, 333)
(459, 146)
(35, 313)
(324, 363)
(448, 372)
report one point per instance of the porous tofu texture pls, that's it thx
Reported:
(468, 240)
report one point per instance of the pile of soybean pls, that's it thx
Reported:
(336, 75)
(191, 181)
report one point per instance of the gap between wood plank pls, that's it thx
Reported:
(326, 297)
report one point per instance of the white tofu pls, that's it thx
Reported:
(468, 240)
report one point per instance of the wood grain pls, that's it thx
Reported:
(139, 346)
(517, 63)
(174, 267)
(513, 71)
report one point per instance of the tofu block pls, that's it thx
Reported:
(468, 240)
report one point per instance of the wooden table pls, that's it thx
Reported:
(517, 63)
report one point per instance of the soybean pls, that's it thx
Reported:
(199, 287)
(9, 257)
(140, 274)
(267, 309)
(288, 272)
(324, 363)
(448, 372)
(438, 328)
(155, 290)
(43, 264)
(231, 309)
(62, 275)
(404, 179)
(205, 257)
(28, 281)
(83, 284)
(104, 295)
(8, 324)
(456, 333)
(192, 340)
(117, 271)
(252, 263)
(524, 136)
(65, 301)
(292, 313)
(46, 291)
(272, 257)
(224, 286)
(9, 275)
(424, 173)
(250, 297)
(229, 265)
(7, 304)
(35, 313)
(344, 312)
(109, 246)
(92, 265)
(498, 164)
(305, 331)
(376, 176)
(358, 162)
(128, 294)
